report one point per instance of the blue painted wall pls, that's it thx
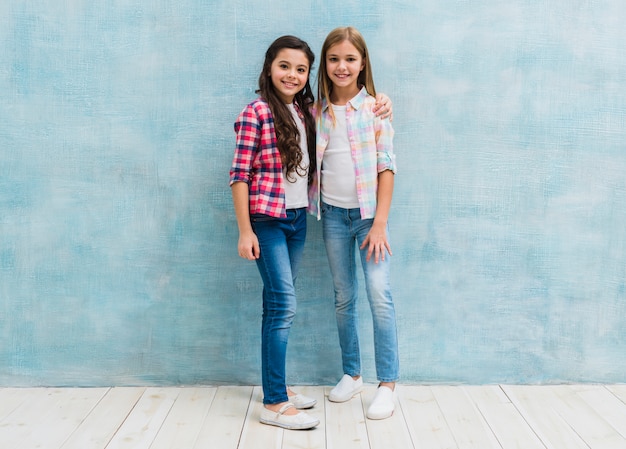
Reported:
(118, 260)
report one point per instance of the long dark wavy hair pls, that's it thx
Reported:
(287, 134)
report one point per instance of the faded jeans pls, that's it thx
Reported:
(344, 232)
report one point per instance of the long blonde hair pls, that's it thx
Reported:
(365, 79)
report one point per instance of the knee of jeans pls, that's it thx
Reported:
(290, 313)
(380, 298)
(383, 310)
(285, 312)
(344, 300)
(377, 282)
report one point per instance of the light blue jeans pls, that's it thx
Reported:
(344, 232)
(281, 241)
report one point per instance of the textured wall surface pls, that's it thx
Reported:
(118, 261)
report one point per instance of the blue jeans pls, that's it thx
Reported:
(344, 232)
(281, 242)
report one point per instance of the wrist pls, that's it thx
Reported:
(378, 221)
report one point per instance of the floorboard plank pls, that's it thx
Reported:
(21, 420)
(314, 438)
(184, 421)
(586, 422)
(49, 417)
(504, 420)
(467, 425)
(225, 419)
(145, 419)
(345, 424)
(607, 405)
(619, 390)
(256, 435)
(425, 421)
(105, 419)
(386, 433)
(536, 405)
(12, 398)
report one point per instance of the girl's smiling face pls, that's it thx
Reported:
(343, 65)
(289, 73)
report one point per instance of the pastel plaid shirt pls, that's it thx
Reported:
(371, 145)
(257, 160)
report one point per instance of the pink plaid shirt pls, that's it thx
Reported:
(257, 160)
(371, 145)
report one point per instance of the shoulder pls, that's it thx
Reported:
(363, 101)
(368, 101)
(321, 108)
(366, 109)
(260, 106)
(256, 110)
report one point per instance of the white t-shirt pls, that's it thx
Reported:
(296, 192)
(337, 174)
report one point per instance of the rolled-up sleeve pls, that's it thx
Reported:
(248, 132)
(385, 157)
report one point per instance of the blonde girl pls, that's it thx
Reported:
(351, 192)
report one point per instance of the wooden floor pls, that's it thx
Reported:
(426, 417)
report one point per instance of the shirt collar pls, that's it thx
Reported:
(355, 101)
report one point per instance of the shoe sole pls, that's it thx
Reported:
(270, 422)
(344, 398)
(376, 417)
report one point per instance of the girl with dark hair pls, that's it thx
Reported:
(273, 166)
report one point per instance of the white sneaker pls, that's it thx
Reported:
(300, 421)
(301, 401)
(382, 406)
(346, 389)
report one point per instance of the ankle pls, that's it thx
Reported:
(390, 385)
(276, 408)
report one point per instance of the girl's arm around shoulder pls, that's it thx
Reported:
(383, 107)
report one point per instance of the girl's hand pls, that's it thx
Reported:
(248, 246)
(383, 107)
(377, 243)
